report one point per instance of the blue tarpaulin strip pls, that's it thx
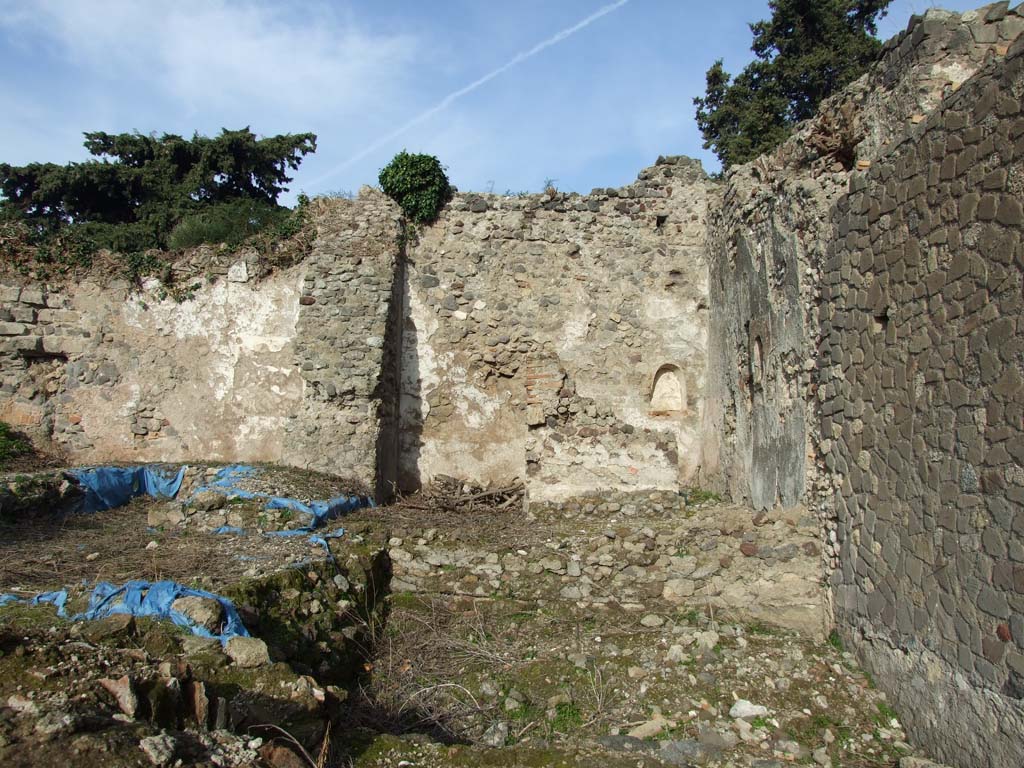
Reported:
(322, 540)
(142, 598)
(318, 512)
(110, 487)
(58, 598)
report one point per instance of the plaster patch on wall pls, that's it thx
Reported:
(234, 320)
(575, 329)
(476, 407)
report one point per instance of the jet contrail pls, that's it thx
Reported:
(447, 101)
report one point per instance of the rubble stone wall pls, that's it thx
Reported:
(767, 242)
(537, 329)
(291, 367)
(923, 383)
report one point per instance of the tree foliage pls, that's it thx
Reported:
(418, 184)
(806, 51)
(141, 186)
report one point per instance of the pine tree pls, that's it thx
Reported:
(806, 51)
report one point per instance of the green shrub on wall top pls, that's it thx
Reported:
(230, 222)
(140, 189)
(418, 184)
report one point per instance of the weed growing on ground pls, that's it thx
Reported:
(886, 715)
(695, 495)
(13, 444)
(567, 718)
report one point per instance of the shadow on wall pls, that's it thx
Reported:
(409, 441)
(398, 440)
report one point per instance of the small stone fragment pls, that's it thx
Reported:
(208, 501)
(650, 729)
(22, 705)
(159, 749)
(743, 709)
(119, 625)
(58, 722)
(204, 611)
(496, 735)
(279, 756)
(248, 652)
(123, 693)
(676, 654)
(706, 640)
(192, 645)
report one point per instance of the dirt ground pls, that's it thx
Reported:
(485, 652)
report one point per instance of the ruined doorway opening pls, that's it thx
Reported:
(668, 394)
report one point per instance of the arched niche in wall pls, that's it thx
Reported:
(758, 345)
(668, 392)
(757, 362)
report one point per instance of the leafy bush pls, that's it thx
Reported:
(12, 444)
(231, 222)
(418, 184)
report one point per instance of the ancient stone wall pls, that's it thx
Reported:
(865, 292)
(767, 242)
(292, 367)
(537, 329)
(924, 403)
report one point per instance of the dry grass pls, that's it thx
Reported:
(58, 551)
(435, 651)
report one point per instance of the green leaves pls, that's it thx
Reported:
(230, 222)
(418, 184)
(143, 186)
(806, 51)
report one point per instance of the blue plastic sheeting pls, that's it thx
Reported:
(143, 598)
(229, 529)
(59, 599)
(318, 512)
(322, 540)
(321, 511)
(110, 487)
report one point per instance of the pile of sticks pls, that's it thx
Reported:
(453, 495)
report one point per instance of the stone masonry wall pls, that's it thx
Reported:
(607, 290)
(348, 343)
(845, 373)
(285, 368)
(766, 245)
(923, 380)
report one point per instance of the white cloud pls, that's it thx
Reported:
(218, 55)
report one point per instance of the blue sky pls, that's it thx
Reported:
(589, 110)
